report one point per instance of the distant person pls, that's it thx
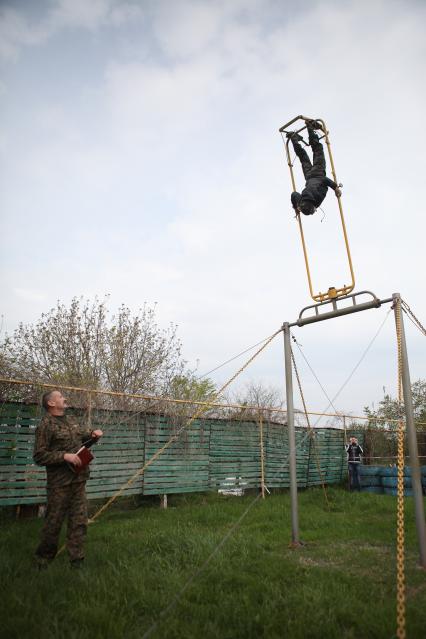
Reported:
(57, 439)
(354, 452)
(314, 172)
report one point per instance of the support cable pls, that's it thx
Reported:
(331, 401)
(345, 383)
(310, 431)
(250, 348)
(413, 318)
(315, 375)
(213, 553)
(186, 426)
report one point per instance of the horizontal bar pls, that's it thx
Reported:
(343, 311)
(284, 126)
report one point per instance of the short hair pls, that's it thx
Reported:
(45, 399)
(307, 207)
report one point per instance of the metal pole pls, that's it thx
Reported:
(291, 435)
(411, 438)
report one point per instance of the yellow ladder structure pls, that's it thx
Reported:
(333, 292)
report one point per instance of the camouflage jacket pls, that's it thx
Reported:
(53, 438)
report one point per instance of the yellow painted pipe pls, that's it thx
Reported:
(332, 292)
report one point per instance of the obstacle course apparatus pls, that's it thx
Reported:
(336, 302)
(333, 291)
(338, 298)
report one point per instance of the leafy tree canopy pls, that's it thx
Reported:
(389, 406)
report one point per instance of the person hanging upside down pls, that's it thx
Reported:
(317, 182)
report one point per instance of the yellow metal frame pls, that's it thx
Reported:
(332, 292)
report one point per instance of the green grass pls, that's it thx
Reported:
(341, 584)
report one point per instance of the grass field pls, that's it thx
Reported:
(340, 584)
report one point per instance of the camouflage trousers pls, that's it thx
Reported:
(64, 502)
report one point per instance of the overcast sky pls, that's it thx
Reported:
(140, 157)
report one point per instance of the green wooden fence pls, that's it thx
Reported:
(210, 455)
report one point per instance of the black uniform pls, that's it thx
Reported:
(317, 182)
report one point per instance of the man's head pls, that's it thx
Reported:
(307, 207)
(54, 402)
(353, 440)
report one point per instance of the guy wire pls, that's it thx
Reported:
(214, 552)
(330, 401)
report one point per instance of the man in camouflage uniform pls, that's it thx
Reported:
(57, 439)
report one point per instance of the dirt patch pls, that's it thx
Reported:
(319, 563)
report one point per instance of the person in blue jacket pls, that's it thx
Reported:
(317, 182)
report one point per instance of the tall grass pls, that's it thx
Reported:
(340, 584)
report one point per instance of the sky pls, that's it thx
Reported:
(140, 158)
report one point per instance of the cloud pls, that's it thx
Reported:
(186, 28)
(163, 173)
(19, 29)
(17, 32)
(79, 14)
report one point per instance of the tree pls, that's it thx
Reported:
(380, 433)
(256, 399)
(189, 387)
(81, 345)
(389, 408)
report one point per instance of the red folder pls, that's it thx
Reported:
(85, 456)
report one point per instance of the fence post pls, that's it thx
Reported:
(89, 410)
(262, 457)
(308, 466)
(343, 451)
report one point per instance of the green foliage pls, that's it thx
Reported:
(341, 584)
(190, 388)
(389, 408)
(380, 432)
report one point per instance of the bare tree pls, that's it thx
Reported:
(257, 398)
(81, 345)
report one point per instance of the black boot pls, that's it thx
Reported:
(314, 124)
(294, 137)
